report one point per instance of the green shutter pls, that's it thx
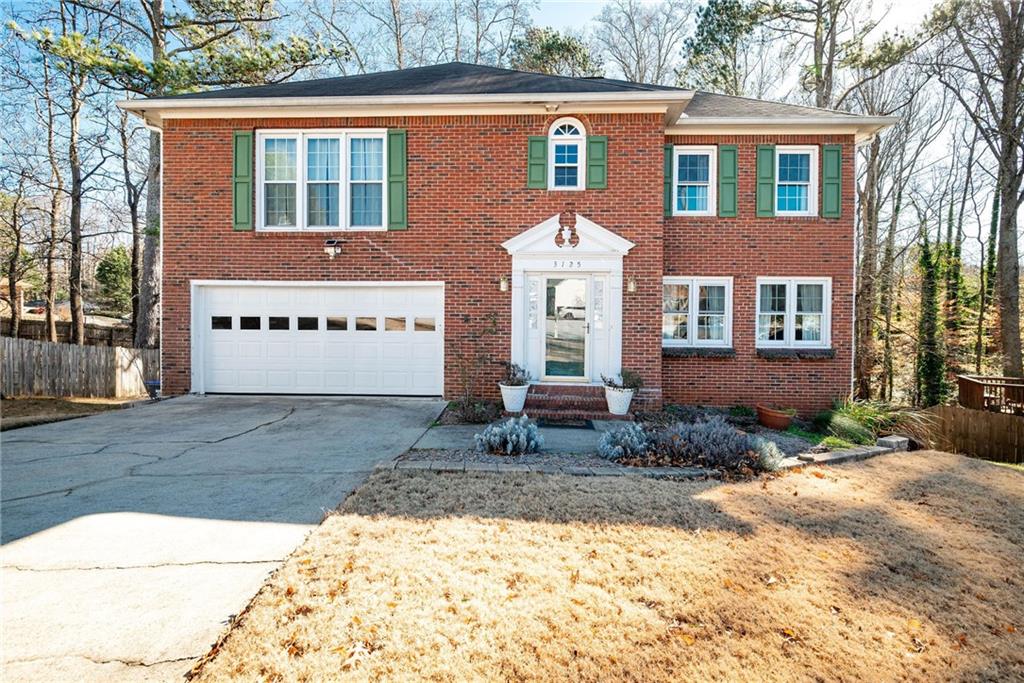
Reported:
(597, 162)
(398, 218)
(537, 162)
(765, 181)
(668, 180)
(831, 181)
(727, 180)
(241, 180)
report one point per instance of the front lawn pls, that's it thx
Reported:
(26, 410)
(901, 567)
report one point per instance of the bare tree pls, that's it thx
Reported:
(644, 40)
(981, 62)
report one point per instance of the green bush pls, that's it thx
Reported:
(741, 411)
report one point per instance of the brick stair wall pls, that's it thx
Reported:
(568, 403)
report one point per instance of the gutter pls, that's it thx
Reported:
(379, 100)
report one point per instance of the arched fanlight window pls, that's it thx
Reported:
(567, 145)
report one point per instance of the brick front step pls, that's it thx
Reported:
(555, 415)
(565, 403)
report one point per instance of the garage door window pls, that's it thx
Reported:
(394, 324)
(335, 324)
(249, 322)
(425, 324)
(366, 324)
(220, 322)
(307, 323)
(277, 323)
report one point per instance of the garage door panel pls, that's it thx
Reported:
(402, 353)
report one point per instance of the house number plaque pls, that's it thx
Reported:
(567, 265)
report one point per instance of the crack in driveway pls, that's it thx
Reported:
(94, 660)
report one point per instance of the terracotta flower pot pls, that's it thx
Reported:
(773, 419)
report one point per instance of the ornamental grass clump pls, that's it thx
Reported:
(514, 436)
(627, 442)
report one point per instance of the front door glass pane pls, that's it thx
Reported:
(565, 327)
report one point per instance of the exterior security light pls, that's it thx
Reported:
(631, 284)
(332, 247)
(503, 284)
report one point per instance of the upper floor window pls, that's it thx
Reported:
(796, 181)
(696, 311)
(320, 180)
(793, 311)
(567, 140)
(694, 181)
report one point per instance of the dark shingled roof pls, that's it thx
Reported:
(712, 105)
(454, 78)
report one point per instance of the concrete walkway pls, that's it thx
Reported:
(132, 537)
(556, 439)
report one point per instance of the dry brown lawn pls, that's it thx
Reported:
(905, 567)
(22, 410)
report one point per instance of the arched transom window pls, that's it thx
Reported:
(567, 141)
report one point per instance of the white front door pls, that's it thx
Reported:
(318, 338)
(566, 328)
(566, 337)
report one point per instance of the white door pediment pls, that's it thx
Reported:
(593, 239)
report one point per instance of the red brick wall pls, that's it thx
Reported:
(467, 194)
(747, 247)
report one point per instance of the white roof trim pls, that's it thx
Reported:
(317, 102)
(837, 120)
(594, 239)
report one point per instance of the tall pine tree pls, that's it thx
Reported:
(931, 362)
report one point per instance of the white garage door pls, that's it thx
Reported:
(320, 339)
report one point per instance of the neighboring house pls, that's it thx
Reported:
(705, 241)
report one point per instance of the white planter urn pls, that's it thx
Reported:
(514, 397)
(618, 400)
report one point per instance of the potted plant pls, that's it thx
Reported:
(773, 418)
(514, 386)
(619, 392)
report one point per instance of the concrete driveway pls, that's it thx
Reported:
(131, 537)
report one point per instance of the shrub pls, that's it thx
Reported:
(768, 454)
(629, 441)
(514, 436)
(712, 443)
(474, 410)
(862, 421)
(742, 411)
(515, 376)
(628, 379)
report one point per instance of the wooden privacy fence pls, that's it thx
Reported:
(979, 433)
(31, 368)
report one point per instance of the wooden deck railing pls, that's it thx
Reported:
(995, 394)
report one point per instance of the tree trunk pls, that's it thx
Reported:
(866, 281)
(56, 195)
(147, 334)
(1008, 271)
(12, 271)
(75, 266)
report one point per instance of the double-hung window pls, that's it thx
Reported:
(694, 181)
(796, 181)
(321, 180)
(567, 141)
(696, 311)
(793, 311)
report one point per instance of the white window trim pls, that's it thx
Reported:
(344, 199)
(790, 325)
(691, 321)
(812, 185)
(712, 152)
(581, 158)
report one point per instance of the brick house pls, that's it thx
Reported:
(373, 234)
